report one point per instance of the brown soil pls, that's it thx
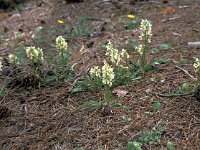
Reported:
(51, 118)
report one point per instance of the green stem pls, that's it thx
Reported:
(62, 56)
(107, 94)
(143, 57)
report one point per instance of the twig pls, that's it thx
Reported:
(174, 94)
(186, 72)
(148, 2)
(169, 19)
(194, 44)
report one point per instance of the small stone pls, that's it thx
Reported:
(197, 93)
(4, 112)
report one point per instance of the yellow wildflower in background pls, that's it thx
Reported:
(131, 16)
(60, 21)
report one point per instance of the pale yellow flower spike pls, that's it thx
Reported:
(113, 54)
(140, 49)
(196, 64)
(34, 54)
(13, 59)
(61, 44)
(107, 74)
(95, 71)
(146, 31)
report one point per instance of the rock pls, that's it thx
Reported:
(197, 93)
(4, 112)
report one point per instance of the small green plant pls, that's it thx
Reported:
(126, 118)
(145, 36)
(134, 146)
(130, 24)
(170, 146)
(165, 47)
(156, 105)
(81, 148)
(152, 137)
(184, 88)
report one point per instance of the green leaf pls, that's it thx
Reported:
(124, 117)
(170, 145)
(182, 62)
(66, 56)
(147, 113)
(165, 46)
(156, 105)
(134, 146)
(81, 148)
(91, 104)
(185, 86)
(131, 24)
(77, 90)
(117, 105)
(154, 50)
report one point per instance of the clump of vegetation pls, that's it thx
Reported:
(145, 36)
(56, 69)
(117, 69)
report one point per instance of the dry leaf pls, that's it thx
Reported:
(119, 92)
(168, 10)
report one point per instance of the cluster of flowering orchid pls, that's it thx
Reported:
(36, 57)
(62, 46)
(106, 74)
(145, 36)
(115, 56)
(196, 66)
(109, 73)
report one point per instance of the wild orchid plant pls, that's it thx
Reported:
(145, 36)
(13, 60)
(106, 76)
(119, 62)
(196, 66)
(35, 55)
(110, 74)
(61, 46)
(62, 67)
